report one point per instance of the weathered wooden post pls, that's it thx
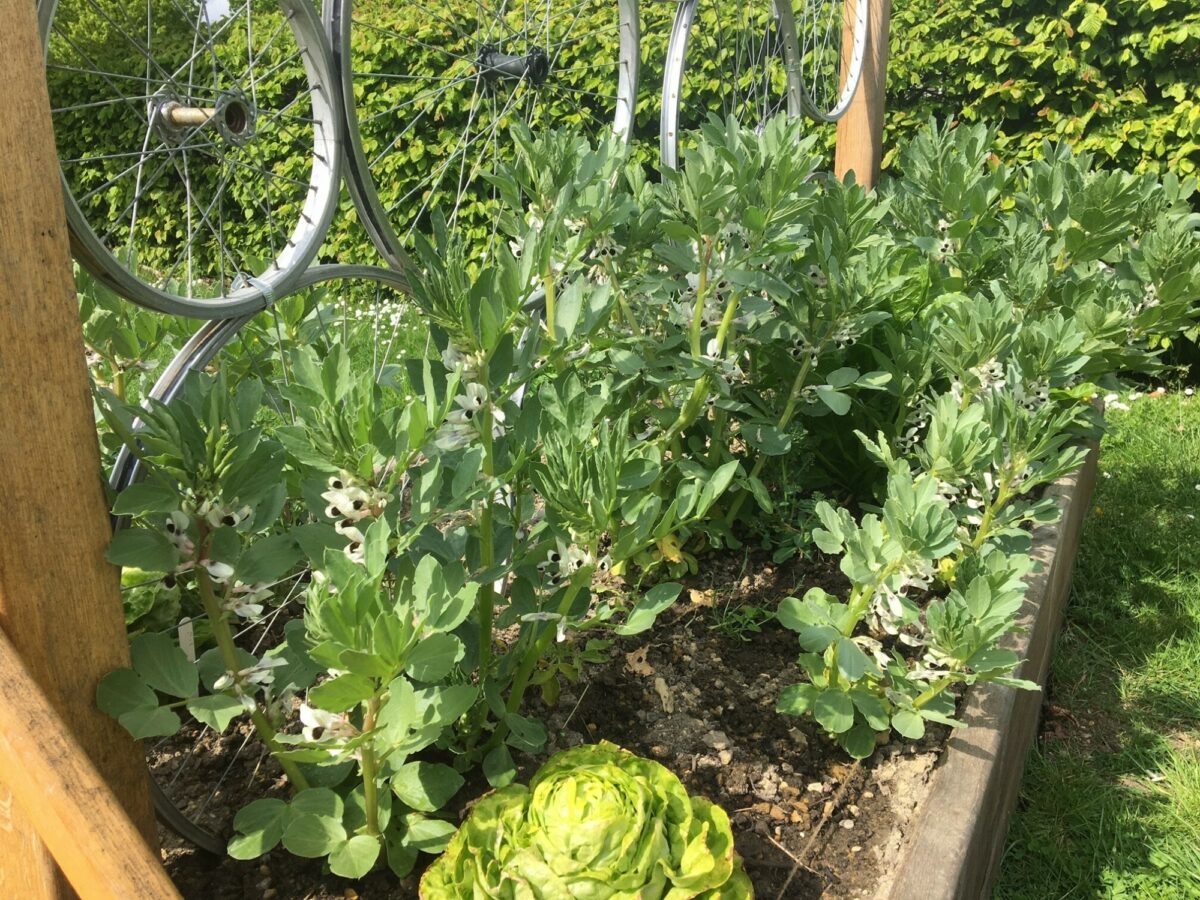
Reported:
(860, 130)
(60, 604)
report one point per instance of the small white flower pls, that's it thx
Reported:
(219, 572)
(219, 514)
(816, 277)
(258, 674)
(466, 364)
(246, 600)
(990, 375)
(177, 526)
(319, 725)
(350, 502)
(347, 529)
(356, 552)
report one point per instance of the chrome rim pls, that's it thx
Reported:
(823, 31)
(734, 60)
(199, 151)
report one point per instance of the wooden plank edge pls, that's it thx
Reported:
(72, 809)
(954, 850)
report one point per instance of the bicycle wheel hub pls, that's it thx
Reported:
(534, 66)
(174, 118)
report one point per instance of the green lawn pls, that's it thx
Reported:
(1110, 804)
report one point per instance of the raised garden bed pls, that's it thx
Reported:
(924, 819)
(954, 848)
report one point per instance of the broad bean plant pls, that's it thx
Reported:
(633, 372)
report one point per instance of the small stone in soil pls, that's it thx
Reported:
(718, 740)
(725, 757)
(815, 786)
(856, 849)
(868, 795)
(350, 894)
(847, 823)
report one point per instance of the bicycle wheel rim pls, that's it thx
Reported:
(759, 45)
(392, 206)
(210, 219)
(827, 90)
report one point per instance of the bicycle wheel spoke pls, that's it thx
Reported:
(459, 76)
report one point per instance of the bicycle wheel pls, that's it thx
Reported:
(193, 773)
(832, 48)
(198, 143)
(430, 93)
(730, 60)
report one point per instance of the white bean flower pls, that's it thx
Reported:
(462, 424)
(177, 526)
(466, 364)
(247, 600)
(356, 551)
(261, 673)
(224, 514)
(219, 572)
(347, 502)
(990, 375)
(319, 725)
(560, 627)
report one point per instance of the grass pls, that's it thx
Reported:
(1110, 803)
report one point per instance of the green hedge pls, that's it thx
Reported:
(1117, 78)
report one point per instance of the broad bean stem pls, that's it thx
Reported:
(369, 768)
(224, 638)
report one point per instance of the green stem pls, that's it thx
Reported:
(485, 603)
(789, 410)
(695, 402)
(534, 653)
(933, 690)
(224, 638)
(119, 382)
(548, 287)
(989, 514)
(701, 289)
(369, 768)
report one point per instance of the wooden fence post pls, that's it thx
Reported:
(860, 130)
(60, 602)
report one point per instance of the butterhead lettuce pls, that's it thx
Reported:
(596, 823)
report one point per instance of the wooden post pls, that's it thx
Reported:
(860, 130)
(74, 812)
(60, 603)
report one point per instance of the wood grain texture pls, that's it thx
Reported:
(60, 601)
(860, 130)
(954, 850)
(72, 810)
